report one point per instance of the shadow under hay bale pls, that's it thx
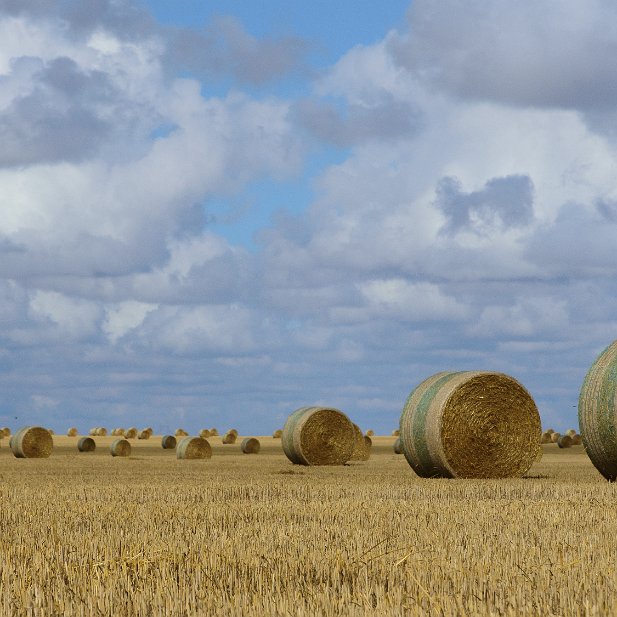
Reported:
(577, 440)
(470, 424)
(193, 448)
(250, 445)
(32, 442)
(86, 444)
(144, 435)
(180, 432)
(120, 447)
(362, 447)
(546, 437)
(318, 436)
(72, 432)
(205, 433)
(168, 442)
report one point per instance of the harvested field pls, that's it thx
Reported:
(151, 535)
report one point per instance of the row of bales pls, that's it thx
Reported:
(567, 440)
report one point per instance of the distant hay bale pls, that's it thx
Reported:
(396, 433)
(149, 430)
(230, 438)
(86, 444)
(397, 447)
(144, 435)
(361, 451)
(250, 445)
(232, 430)
(214, 432)
(51, 431)
(168, 442)
(180, 432)
(550, 430)
(32, 442)
(370, 432)
(278, 433)
(72, 432)
(318, 436)
(131, 433)
(539, 455)
(571, 432)
(546, 437)
(93, 431)
(193, 448)
(470, 424)
(120, 447)
(205, 433)
(102, 431)
(6, 431)
(555, 437)
(565, 441)
(577, 440)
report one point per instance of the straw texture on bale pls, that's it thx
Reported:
(396, 433)
(117, 432)
(250, 445)
(144, 435)
(6, 431)
(230, 438)
(362, 448)
(86, 444)
(168, 442)
(596, 412)
(120, 447)
(204, 433)
(318, 436)
(278, 433)
(72, 432)
(470, 424)
(32, 442)
(101, 431)
(193, 448)
(397, 447)
(131, 433)
(565, 441)
(232, 431)
(180, 432)
(555, 437)
(577, 440)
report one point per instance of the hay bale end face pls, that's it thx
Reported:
(168, 442)
(278, 433)
(205, 433)
(565, 441)
(72, 432)
(318, 436)
(32, 442)
(131, 433)
(193, 448)
(250, 445)
(362, 448)
(86, 444)
(555, 437)
(397, 447)
(470, 424)
(120, 447)
(229, 438)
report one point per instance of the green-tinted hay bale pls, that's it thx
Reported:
(32, 442)
(72, 432)
(229, 438)
(370, 432)
(362, 448)
(397, 447)
(250, 445)
(120, 447)
(168, 442)
(278, 433)
(396, 433)
(318, 436)
(555, 437)
(86, 444)
(193, 448)
(470, 424)
(565, 441)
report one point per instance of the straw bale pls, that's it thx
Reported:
(144, 435)
(131, 433)
(362, 448)
(555, 437)
(149, 430)
(250, 445)
(214, 432)
(397, 447)
(470, 424)
(193, 448)
(370, 432)
(180, 432)
(396, 433)
(565, 441)
(93, 431)
(72, 432)
(546, 437)
(6, 431)
(168, 442)
(230, 438)
(120, 447)
(318, 436)
(32, 442)
(278, 433)
(86, 444)
(205, 433)
(577, 440)
(51, 431)
(233, 430)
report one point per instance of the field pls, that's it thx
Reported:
(88, 534)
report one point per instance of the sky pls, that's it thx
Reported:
(213, 213)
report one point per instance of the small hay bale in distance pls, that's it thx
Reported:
(32, 442)
(214, 432)
(571, 432)
(232, 431)
(131, 433)
(397, 447)
(362, 448)
(546, 437)
(396, 433)
(6, 431)
(577, 440)
(470, 424)
(193, 448)
(180, 432)
(555, 437)
(72, 432)
(370, 432)
(101, 431)
(565, 441)
(168, 442)
(120, 447)
(250, 445)
(229, 438)
(318, 436)
(278, 433)
(550, 430)
(144, 435)
(205, 433)
(86, 444)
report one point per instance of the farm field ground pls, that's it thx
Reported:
(88, 534)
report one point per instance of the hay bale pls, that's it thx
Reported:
(361, 452)
(120, 447)
(470, 424)
(144, 435)
(550, 430)
(86, 444)
(577, 440)
(72, 432)
(555, 437)
(51, 431)
(180, 432)
(250, 445)
(397, 447)
(131, 433)
(204, 433)
(546, 437)
(370, 432)
(93, 431)
(102, 431)
(565, 441)
(278, 433)
(318, 436)
(232, 430)
(396, 433)
(32, 442)
(214, 432)
(193, 448)
(571, 432)
(230, 438)
(6, 431)
(149, 430)
(168, 442)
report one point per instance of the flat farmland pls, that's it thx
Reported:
(88, 534)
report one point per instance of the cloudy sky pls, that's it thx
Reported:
(212, 214)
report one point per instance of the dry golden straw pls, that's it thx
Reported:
(72, 432)
(120, 447)
(6, 431)
(250, 445)
(86, 444)
(565, 441)
(571, 432)
(396, 432)
(555, 437)
(362, 448)
(318, 436)
(32, 442)
(229, 438)
(397, 447)
(131, 433)
(470, 424)
(168, 442)
(193, 448)
(144, 435)
(278, 433)
(180, 432)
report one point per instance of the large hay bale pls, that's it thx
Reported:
(120, 447)
(250, 445)
(180, 432)
(232, 431)
(318, 436)
(205, 433)
(565, 441)
(278, 433)
(72, 432)
(361, 451)
(32, 442)
(193, 448)
(470, 424)
(168, 442)
(577, 440)
(397, 447)
(86, 444)
(144, 435)
(546, 437)
(230, 438)
(555, 437)
(131, 433)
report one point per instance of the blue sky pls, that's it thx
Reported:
(215, 213)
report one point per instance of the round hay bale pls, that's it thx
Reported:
(396, 433)
(565, 441)
(180, 432)
(168, 442)
(101, 431)
(550, 430)
(318, 436)
(370, 432)
(204, 433)
(470, 424)
(144, 435)
(120, 447)
(555, 437)
(193, 448)
(278, 433)
(546, 437)
(86, 444)
(131, 433)
(72, 432)
(361, 451)
(32, 442)
(250, 445)
(232, 430)
(6, 431)
(577, 440)
(397, 447)
(571, 432)
(93, 431)
(214, 432)
(230, 438)
(149, 430)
